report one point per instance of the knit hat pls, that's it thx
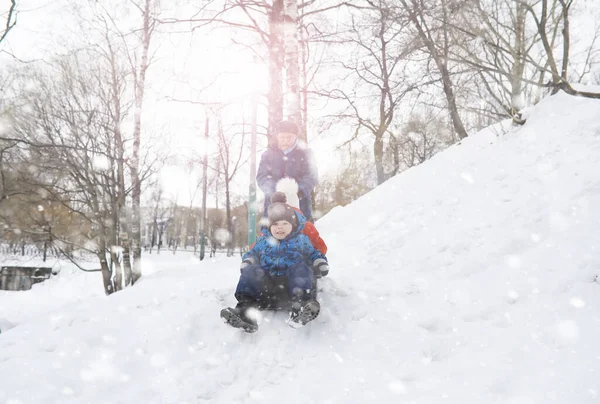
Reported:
(288, 127)
(279, 210)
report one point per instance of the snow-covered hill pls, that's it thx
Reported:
(469, 279)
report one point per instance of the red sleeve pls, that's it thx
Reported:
(313, 234)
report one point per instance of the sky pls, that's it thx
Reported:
(472, 278)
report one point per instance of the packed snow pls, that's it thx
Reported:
(472, 278)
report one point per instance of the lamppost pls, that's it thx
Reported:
(252, 187)
(204, 191)
(257, 72)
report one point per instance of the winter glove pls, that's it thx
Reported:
(246, 262)
(300, 194)
(320, 267)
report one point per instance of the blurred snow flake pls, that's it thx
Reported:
(513, 261)
(339, 358)
(518, 101)
(100, 370)
(397, 387)
(67, 391)
(109, 339)
(158, 360)
(253, 206)
(4, 126)
(568, 331)
(100, 163)
(40, 208)
(254, 314)
(558, 221)
(467, 177)
(577, 303)
(256, 395)
(222, 235)
(521, 400)
(376, 220)
(512, 296)
(535, 237)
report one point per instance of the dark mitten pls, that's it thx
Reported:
(246, 262)
(320, 267)
(300, 194)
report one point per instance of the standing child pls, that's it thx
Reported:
(282, 257)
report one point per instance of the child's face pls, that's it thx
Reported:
(285, 140)
(281, 229)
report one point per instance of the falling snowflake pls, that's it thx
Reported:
(568, 331)
(467, 177)
(577, 303)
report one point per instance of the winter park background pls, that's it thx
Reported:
(459, 152)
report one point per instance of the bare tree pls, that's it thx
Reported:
(127, 54)
(67, 133)
(378, 75)
(231, 156)
(558, 72)
(431, 21)
(139, 66)
(492, 38)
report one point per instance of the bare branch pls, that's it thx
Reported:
(11, 20)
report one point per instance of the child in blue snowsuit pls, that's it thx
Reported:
(281, 257)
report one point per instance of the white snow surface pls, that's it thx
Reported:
(469, 279)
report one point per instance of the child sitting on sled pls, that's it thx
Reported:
(281, 257)
(287, 190)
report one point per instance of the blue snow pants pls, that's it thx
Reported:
(257, 285)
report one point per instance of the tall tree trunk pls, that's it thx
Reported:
(106, 272)
(276, 57)
(123, 219)
(566, 5)
(304, 84)
(518, 67)
(378, 155)
(120, 207)
(292, 67)
(136, 241)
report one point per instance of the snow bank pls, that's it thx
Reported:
(469, 279)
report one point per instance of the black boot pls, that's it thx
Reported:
(238, 317)
(303, 312)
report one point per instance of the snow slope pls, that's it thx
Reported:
(469, 279)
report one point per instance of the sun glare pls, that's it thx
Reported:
(245, 80)
(327, 158)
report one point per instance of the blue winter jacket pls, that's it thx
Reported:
(298, 164)
(276, 256)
